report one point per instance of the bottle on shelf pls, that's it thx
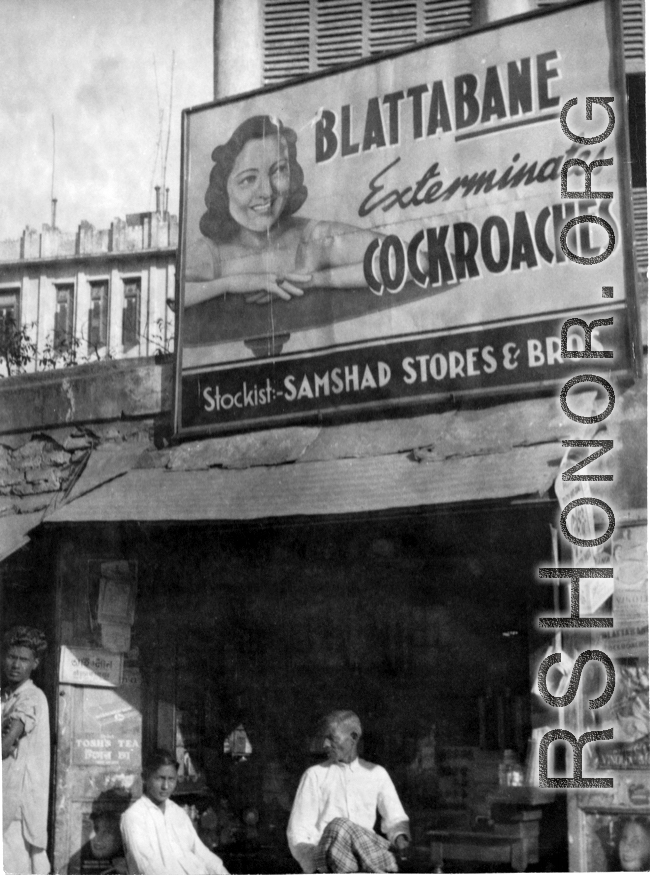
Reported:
(511, 772)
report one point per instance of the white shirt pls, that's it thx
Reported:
(355, 790)
(162, 841)
(26, 771)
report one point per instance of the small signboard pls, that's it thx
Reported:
(108, 726)
(392, 232)
(90, 667)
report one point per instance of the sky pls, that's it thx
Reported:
(103, 70)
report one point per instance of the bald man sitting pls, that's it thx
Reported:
(334, 812)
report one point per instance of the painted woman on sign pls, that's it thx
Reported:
(619, 844)
(253, 243)
(634, 845)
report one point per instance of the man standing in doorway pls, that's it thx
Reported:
(25, 755)
(333, 814)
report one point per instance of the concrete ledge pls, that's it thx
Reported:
(86, 393)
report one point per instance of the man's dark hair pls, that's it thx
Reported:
(157, 758)
(217, 224)
(25, 636)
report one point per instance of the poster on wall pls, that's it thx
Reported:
(109, 725)
(626, 643)
(629, 637)
(392, 232)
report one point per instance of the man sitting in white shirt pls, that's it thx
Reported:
(334, 812)
(158, 836)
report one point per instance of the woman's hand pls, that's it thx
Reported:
(284, 286)
(259, 287)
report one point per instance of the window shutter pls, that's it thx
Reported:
(98, 315)
(339, 32)
(393, 24)
(633, 33)
(287, 32)
(301, 36)
(640, 215)
(10, 307)
(444, 17)
(131, 313)
(63, 317)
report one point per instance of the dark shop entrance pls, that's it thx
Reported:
(245, 635)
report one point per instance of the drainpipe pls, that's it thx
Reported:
(238, 46)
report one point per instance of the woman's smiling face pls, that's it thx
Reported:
(259, 183)
(634, 848)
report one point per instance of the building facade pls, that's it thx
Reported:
(89, 295)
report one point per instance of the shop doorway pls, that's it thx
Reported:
(420, 621)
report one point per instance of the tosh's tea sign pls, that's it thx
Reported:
(393, 231)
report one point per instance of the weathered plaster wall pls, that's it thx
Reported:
(88, 393)
(50, 423)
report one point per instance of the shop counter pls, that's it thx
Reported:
(480, 847)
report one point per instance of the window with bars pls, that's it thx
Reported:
(301, 36)
(64, 317)
(98, 315)
(131, 313)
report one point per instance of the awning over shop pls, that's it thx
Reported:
(14, 530)
(336, 486)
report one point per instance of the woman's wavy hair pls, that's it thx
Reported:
(621, 825)
(217, 223)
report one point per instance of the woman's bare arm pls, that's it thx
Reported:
(335, 253)
(284, 287)
(332, 253)
(341, 277)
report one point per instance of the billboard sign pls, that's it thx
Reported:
(389, 233)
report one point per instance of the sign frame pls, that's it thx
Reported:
(90, 667)
(629, 333)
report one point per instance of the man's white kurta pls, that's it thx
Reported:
(356, 790)
(162, 841)
(26, 771)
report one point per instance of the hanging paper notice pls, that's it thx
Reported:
(116, 593)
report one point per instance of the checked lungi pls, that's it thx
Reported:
(348, 847)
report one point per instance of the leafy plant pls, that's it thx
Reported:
(61, 352)
(17, 349)
(162, 338)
